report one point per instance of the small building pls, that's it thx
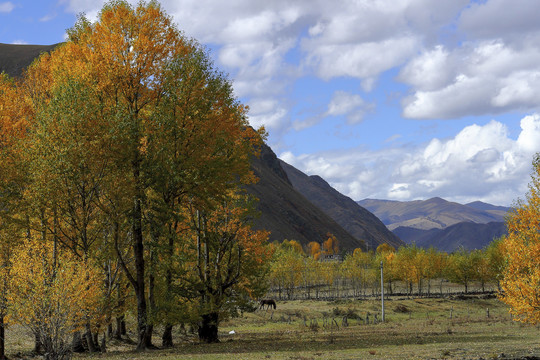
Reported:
(333, 257)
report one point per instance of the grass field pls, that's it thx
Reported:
(414, 329)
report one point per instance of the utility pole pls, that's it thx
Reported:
(382, 292)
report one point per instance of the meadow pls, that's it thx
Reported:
(455, 327)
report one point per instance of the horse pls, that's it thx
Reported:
(268, 303)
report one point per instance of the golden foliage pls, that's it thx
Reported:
(331, 245)
(52, 292)
(521, 281)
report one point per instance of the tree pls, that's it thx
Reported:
(53, 293)
(314, 250)
(482, 267)
(461, 268)
(495, 256)
(358, 267)
(229, 261)
(385, 248)
(410, 260)
(172, 128)
(13, 127)
(434, 267)
(387, 255)
(521, 282)
(106, 142)
(331, 245)
(286, 267)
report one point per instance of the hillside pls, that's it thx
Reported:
(432, 213)
(358, 221)
(286, 212)
(492, 209)
(15, 58)
(466, 234)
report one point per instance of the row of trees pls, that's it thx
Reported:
(123, 153)
(512, 262)
(293, 269)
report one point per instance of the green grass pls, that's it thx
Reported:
(414, 329)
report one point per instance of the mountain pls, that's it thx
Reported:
(358, 221)
(286, 212)
(15, 58)
(432, 213)
(466, 234)
(492, 209)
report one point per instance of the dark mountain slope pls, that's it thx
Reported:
(467, 234)
(358, 221)
(15, 58)
(288, 214)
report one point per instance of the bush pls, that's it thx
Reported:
(349, 313)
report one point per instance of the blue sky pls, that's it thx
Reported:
(388, 99)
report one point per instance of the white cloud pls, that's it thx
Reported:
(429, 71)
(500, 18)
(478, 163)
(19, 42)
(359, 60)
(47, 18)
(352, 106)
(6, 7)
(484, 78)
(269, 113)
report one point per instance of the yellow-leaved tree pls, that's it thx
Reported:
(53, 294)
(521, 278)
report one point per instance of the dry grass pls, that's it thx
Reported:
(415, 329)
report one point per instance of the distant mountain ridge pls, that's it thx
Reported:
(440, 223)
(468, 235)
(434, 213)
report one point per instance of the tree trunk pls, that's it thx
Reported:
(90, 339)
(118, 333)
(166, 338)
(152, 303)
(2, 338)
(208, 328)
(77, 343)
(38, 344)
(148, 337)
(138, 252)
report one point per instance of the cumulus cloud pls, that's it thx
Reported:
(359, 60)
(484, 78)
(6, 7)
(478, 163)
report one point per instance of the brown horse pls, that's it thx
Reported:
(268, 303)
